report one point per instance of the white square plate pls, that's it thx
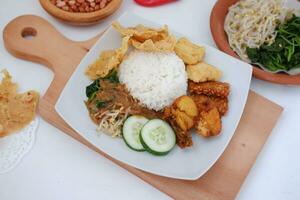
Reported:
(190, 163)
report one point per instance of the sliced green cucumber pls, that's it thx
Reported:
(157, 137)
(131, 131)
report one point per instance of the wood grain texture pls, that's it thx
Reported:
(62, 55)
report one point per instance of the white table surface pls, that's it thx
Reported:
(58, 167)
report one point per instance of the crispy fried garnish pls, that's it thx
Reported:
(7, 88)
(202, 72)
(107, 61)
(16, 110)
(189, 52)
(120, 52)
(148, 39)
(211, 88)
(209, 123)
(206, 103)
(166, 44)
(142, 33)
(103, 65)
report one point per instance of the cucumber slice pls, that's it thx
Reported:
(157, 137)
(131, 131)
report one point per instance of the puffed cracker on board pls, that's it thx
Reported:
(16, 110)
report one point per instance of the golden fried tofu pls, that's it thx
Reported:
(190, 53)
(209, 123)
(202, 72)
(210, 88)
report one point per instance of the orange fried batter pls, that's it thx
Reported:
(181, 115)
(205, 103)
(210, 88)
(209, 123)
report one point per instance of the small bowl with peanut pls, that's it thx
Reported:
(80, 12)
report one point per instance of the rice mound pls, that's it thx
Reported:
(156, 79)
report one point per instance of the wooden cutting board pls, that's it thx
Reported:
(222, 181)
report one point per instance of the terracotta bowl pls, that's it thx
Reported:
(80, 18)
(217, 19)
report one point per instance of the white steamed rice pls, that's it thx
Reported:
(156, 79)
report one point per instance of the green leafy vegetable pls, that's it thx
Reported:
(112, 76)
(253, 54)
(284, 52)
(92, 89)
(100, 104)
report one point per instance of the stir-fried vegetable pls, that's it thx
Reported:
(284, 53)
(112, 76)
(100, 103)
(94, 87)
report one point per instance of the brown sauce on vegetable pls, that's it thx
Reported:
(113, 95)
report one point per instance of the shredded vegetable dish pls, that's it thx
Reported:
(265, 33)
(251, 23)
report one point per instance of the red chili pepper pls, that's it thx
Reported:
(151, 3)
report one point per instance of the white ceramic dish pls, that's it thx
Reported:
(188, 163)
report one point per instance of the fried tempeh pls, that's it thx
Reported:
(205, 103)
(210, 88)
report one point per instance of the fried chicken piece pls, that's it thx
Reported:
(209, 123)
(181, 115)
(183, 138)
(183, 111)
(184, 121)
(206, 103)
(210, 88)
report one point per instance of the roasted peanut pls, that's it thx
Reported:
(80, 5)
